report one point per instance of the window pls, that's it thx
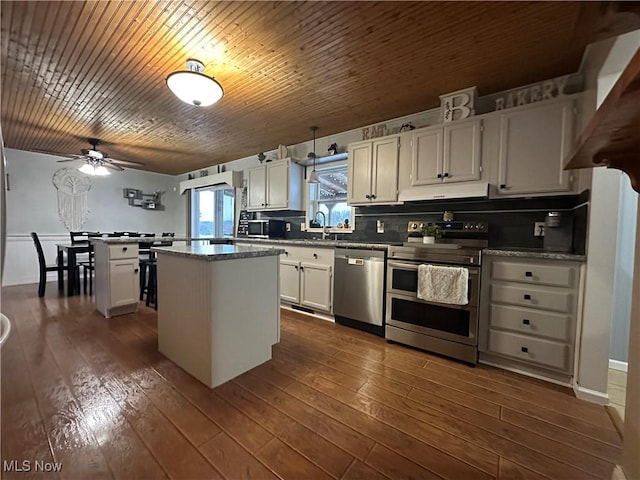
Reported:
(329, 196)
(212, 212)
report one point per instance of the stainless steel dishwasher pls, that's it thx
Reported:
(358, 289)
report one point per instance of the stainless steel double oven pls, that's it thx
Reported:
(447, 329)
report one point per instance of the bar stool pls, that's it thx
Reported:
(152, 286)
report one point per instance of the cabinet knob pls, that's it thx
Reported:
(524, 349)
(124, 249)
(296, 267)
(503, 186)
(526, 321)
(135, 271)
(439, 175)
(373, 196)
(262, 204)
(445, 175)
(367, 196)
(528, 274)
(301, 267)
(527, 296)
(315, 255)
(286, 253)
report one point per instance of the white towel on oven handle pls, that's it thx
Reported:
(442, 284)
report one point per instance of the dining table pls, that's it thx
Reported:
(72, 250)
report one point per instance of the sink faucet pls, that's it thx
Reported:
(324, 223)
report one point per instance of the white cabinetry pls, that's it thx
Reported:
(534, 142)
(528, 314)
(275, 185)
(117, 284)
(373, 171)
(446, 154)
(306, 277)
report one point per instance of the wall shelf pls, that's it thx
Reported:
(612, 138)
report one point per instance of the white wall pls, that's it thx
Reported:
(32, 206)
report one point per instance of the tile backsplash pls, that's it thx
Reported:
(511, 221)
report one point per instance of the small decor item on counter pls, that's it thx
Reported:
(346, 223)
(204, 173)
(447, 216)
(430, 231)
(333, 149)
(261, 157)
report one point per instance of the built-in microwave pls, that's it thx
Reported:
(265, 228)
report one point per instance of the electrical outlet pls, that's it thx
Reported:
(538, 229)
(287, 227)
(379, 226)
(303, 227)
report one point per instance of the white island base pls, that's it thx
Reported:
(217, 318)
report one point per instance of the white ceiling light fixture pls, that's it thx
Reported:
(194, 87)
(94, 167)
(313, 176)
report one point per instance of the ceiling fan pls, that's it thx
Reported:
(98, 162)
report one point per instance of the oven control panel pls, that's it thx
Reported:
(415, 227)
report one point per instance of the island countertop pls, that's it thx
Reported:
(126, 239)
(217, 252)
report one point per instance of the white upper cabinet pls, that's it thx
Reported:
(275, 185)
(373, 171)
(446, 154)
(534, 141)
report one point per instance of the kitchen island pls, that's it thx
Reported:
(218, 309)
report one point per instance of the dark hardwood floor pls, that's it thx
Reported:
(96, 396)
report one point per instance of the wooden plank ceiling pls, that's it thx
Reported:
(72, 70)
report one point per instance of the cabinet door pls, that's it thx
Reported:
(359, 172)
(277, 197)
(426, 157)
(384, 174)
(289, 281)
(315, 286)
(534, 141)
(256, 188)
(124, 288)
(462, 151)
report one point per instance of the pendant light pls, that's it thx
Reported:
(194, 87)
(313, 176)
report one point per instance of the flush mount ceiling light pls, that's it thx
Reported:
(313, 176)
(194, 87)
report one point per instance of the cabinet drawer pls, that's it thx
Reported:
(556, 275)
(533, 350)
(533, 297)
(318, 255)
(531, 322)
(128, 250)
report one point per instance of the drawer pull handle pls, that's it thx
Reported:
(315, 255)
(503, 186)
(124, 249)
(528, 274)
(526, 321)
(527, 296)
(524, 349)
(135, 271)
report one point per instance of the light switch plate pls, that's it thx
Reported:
(538, 229)
(288, 227)
(379, 226)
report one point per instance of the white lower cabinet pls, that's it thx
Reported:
(528, 314)
(306, 277)
(117, 284)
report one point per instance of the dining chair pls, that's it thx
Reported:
(88, 267)
(44, 268)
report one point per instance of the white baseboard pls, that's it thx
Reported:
(618, 365)
(593, 396)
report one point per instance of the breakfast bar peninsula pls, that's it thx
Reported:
(218, 309)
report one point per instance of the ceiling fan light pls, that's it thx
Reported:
(102, 171)
(194, 87)
(88, 169)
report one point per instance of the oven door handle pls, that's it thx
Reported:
(414, 266)
(406, 266)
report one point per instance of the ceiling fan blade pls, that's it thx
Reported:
(113, 166)
(124, 162)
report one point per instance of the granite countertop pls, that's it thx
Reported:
(533, 253)
(217, 252)
(117, 240)
(319, 243)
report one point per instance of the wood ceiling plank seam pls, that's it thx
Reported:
(81, 54)
(36, 112)
(73, 96)
(24, 91)
(8, 76)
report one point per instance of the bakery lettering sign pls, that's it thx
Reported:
(535, 93)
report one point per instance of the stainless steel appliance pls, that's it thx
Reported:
(558, 232)
(358, 289)
(265, 228)
(447, 329)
